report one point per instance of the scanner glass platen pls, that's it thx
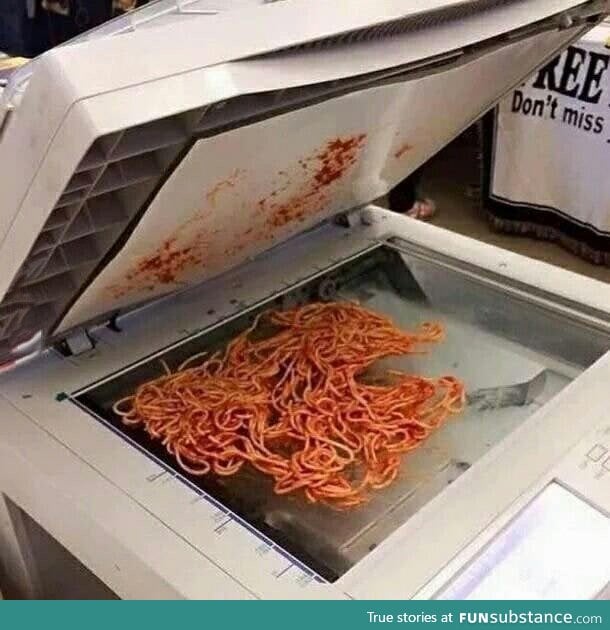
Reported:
(513, 351)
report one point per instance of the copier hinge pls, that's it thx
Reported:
(77, 343)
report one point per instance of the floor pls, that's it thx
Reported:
(447, 179)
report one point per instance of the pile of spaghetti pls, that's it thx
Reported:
(298, 405)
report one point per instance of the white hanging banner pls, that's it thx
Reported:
(551, 148)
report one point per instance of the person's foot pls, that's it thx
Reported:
(423, 209)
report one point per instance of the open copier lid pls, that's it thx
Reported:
(164, 149)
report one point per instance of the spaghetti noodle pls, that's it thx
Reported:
(300, 405)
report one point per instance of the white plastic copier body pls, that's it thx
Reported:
(170, 176)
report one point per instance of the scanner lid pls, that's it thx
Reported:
(182, 140)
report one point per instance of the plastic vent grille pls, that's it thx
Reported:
(397, 27)
(111, 183)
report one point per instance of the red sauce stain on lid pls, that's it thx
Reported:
(165, 266)
(168, 263)
(180, 254)
(404, 148)
(336, 158)
(192, 247)
(324, 168)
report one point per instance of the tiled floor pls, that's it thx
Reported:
(446, 180)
